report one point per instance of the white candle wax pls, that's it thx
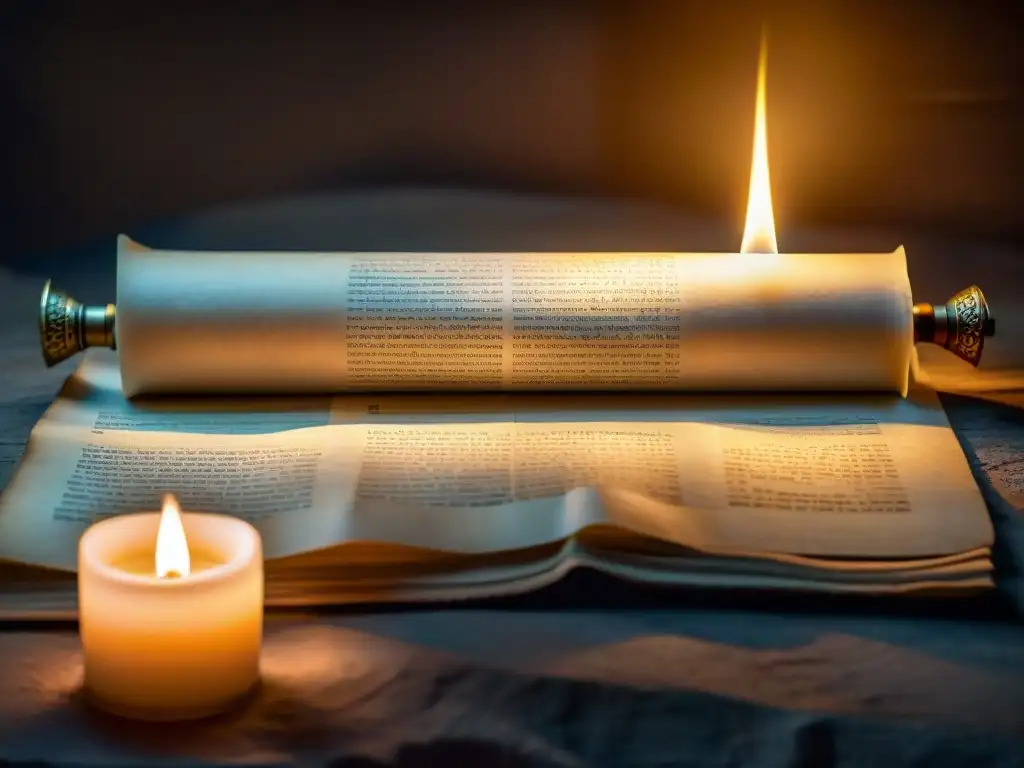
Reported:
(177, 647)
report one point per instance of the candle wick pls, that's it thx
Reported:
(172, 575)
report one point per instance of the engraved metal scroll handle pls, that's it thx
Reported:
(67, 327)
(960, 325)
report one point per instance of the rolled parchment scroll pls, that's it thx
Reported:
(219, 322)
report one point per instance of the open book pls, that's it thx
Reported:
(389, 497)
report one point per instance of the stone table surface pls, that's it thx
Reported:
(590, 672)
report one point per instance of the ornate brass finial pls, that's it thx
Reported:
(67, 327)
(960, 325)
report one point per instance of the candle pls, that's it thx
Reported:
(170, 613)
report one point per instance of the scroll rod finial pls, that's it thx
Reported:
(961, 325)
(67, 327)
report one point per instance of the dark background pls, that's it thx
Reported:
(900, 112)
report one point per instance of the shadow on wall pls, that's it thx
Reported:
(118, 113)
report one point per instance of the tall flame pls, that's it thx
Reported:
(172, 555)
(759, 230)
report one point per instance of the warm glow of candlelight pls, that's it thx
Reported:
(179, 643)
(759, 230)
(172, 555)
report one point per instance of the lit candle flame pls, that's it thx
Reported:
(759, 230)
(172, 556)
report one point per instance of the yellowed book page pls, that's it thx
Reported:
(893, 483)
(878, 477)
(288, 485)
(442, 488)
(455, 488)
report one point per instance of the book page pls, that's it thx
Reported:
(288, 485)
(861, 477)
(846, 485)
(337, 322)
(457, 488)
(876, 477)
(95, 453)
